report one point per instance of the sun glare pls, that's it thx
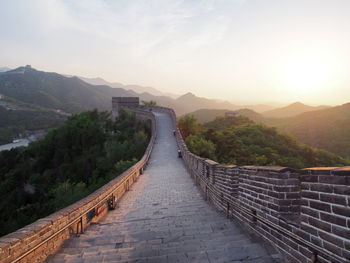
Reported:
(305, 74)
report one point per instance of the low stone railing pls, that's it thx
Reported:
(305, 214)
(34, 242)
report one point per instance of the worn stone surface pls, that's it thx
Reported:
(163, 218)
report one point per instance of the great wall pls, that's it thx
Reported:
(303, 214)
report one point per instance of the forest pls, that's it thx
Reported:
(71, 162)
(240, 141)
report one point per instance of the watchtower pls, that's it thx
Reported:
(124, 102)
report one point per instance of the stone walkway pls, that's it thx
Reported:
(163, 218)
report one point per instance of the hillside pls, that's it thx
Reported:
(190, 102)
(22, 119)
(240, 141)
(207, 115)
(291, 110)
(68, 164)
(327, 129)
(51, 90)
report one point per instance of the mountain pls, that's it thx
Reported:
(3, 69)
(18, 119)
(258, 107)
(327, 128)
(190, 102)
(207, 115)
(135, 88)
(291, 110)
(72, 95)
(51, 90)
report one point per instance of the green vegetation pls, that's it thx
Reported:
(328, 129)
(207, 115)
(240, 141)
(14, 122)
(72, 161)
(149, 103)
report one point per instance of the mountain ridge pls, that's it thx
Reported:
(290, 110)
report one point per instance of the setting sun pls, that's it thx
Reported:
(305, 74)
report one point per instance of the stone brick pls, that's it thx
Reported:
(333, 248)
(316, 241)
(339, 210)
(305, 186)
(332, 239)
(320, 206)
(333, 179)
(310, 195)
(340, 231)
(292, 195)
(309, 178)
(309, 229)
(346, 254)
(335, 199)
(304, 235)
(321, 188)
(320, 224)
(342, 190)
(309, 211)
(305, 251)
(333, 219)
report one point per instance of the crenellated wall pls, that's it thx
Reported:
(34, 242)
(305, 214)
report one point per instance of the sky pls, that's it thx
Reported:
(244, 51)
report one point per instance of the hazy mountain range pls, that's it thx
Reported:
(291, 110)
(72, 94)
(135, 88)
(53, 96)
(48, 95)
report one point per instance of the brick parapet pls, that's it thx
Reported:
(51, 231)
(325, 209)
(305, 214)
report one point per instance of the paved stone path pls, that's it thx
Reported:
(163, 218)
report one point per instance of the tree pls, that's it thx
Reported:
(237, 140)
(149, 103)
(188, 125)
(200, 146)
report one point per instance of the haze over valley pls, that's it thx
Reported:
(26, 91)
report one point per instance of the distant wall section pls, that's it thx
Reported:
(119, 103)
